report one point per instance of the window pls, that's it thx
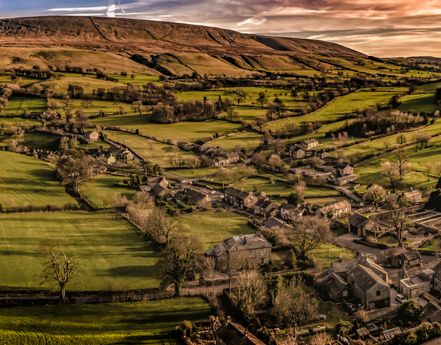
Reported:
(378, 292)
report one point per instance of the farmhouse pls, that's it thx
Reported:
(296, 152)
(360, 279)
(125, 155)
(265, 208)
(344, 169)
(309, 144)
(335, 210)
(239, 198)
(415, 286)
(91, 137)
(344, 180)
(413, 197)
(241, 252)
(361, 225)
(290, 212)
(194, 198)
(273, 223)
(229, 158)
(399, 257)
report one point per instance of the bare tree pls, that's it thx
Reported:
(293, 305)
(376, 195)
(249, 290)
(402, 162)
(59, 266)
(74, 170)
(178, 261)
(391, 172)
(309, 232)
(161, 226)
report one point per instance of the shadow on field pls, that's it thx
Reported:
(133, 271)
(147, 339)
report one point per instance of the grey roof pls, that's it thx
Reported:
(242, 242)
(358, 220)
(273, 222)
(237, 193)
(265, 204)
(366, 278)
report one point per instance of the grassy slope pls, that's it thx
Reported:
(245, 140)
(104, 192)
(26, 181)
(151, 150)
(338, 108)
(149, 323)
(213, 227)
(111, 254)
(20, 105)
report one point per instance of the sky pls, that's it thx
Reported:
(385, 28)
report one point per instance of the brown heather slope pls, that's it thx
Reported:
(169, 48)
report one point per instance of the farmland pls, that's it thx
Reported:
(212, 227)
(151, 150)
(111, 254)
(26, 181)
(148, 323)
(23, 105)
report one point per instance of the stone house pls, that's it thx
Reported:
(399, 257)
(290, 212)
(417, 285)
(309, 144)
(296, 152)
(360, 279)
(242, 252)
(344, 169)
(125, 155)
(273, 223)
(361, 225)
(437, 277)
(344, 180)
(414, 196)
(229, 158)
(335, 210)
(265, 208)
(91, 136)
(194, 197)
(239, 198)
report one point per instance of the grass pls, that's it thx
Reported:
(27, 181)
(151, 150)
(94, 107)
(326, 253)
(213, 227)
(111, 253)
(104, 191)
(418, 103)
(244, 140)
(150, 323)
(41, 141)
(338, 108)
(194, 173)
(182, 131)
(272, 188)
(18, 121)
(21, 105)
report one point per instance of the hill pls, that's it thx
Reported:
(158, 47)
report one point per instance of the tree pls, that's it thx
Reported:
(293, 305)
(178, 261)
(401, 160)
(401, 140)
(249, 290)
(59, 266)
(376, 195)
(308, 233)
(74, 170)
(161, 226)
(400, 223)
(391, 172)
(409, 312)
(262, 99)
(138, 107)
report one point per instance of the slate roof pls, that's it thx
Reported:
(358, 220)
(366, 278)
(237, 193)
(340, 205)
(238, 243)
(235, 334)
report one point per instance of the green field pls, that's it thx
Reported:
(244, 140)
(111, 253)
(194, 173)
(151, 150)
(149, 323)
(23, 105)
(213, 227)
(18, 121)
(42, 141)
(104, 191)
(93, 107)
(275, 187)
(25, 181)
(182, 131)
(337, 108)
(418, 103)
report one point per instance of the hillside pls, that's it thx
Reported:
(159, 47)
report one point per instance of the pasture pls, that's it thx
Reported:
(419, 103)
(244, 140)
(153, 151)
(181, 131)
(25, 181)
(148, 323)
(93, 107)
(24, 105)
(212, 227)
(104, 192)
(111, 253)
(337, 108)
